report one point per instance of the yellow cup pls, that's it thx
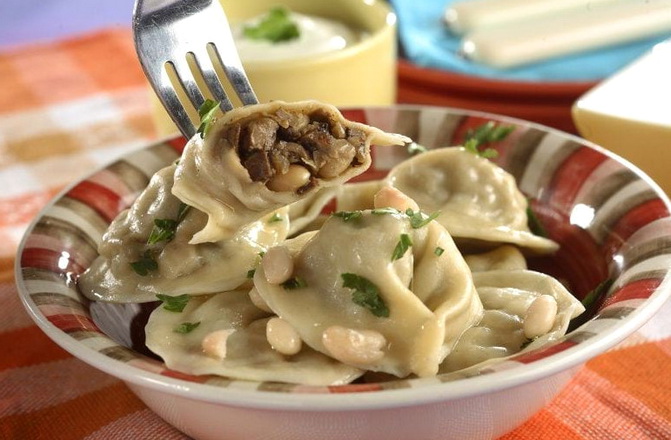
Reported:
(361, 74)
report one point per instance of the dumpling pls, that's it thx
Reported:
(479, 202)
(258, 158)
(382, 290)
(506, 257)
(225, 334)
(146, 250)
(522, 308)
(306, 211)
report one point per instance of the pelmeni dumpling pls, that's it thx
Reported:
(506, 257)
(479, 202)
(258, 158)
(225, 334)
(136, 262)
(378, 290)
(522, 308)
(303, 213)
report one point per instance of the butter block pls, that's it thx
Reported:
(630, 114)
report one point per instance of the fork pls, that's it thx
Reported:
(169, 32)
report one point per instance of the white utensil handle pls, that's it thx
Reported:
(469, 15)
(511, 46)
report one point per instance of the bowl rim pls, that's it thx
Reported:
(242, 394)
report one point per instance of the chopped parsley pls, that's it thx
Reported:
(592, 297)
(485, 134)
(366, 294)
(174, 303)
(186, 327)
(438, 251)
(348, 216)
(164, 228)
(250, 273)
(385, 211)
(206, 112)
(414, 148)
(275, 27)
(294, 283)
(402, 247)
(418, 219)
(145, 264)
(275, 218)
(535, 225)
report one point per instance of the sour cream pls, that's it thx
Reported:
(317, 36)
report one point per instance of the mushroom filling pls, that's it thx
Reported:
(289, 150)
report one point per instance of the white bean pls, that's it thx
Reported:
(295, 177)
(283, 337)
(258, 301)
(354, 347)
(389, 197)
(277, 265)
(214, 344)
(540, 316)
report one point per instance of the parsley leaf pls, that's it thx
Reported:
(366, 294)
(419, 219)
(145, 264)
(186, 327)
(535, 225)
(164, 230)
(174, 303)
(384, 211)
(275, 218)
(592, 297)
(401, 247)
(294, 283)
(347, 216)
(206, 113)
(438, 251)
(485, 134)
(275, 27)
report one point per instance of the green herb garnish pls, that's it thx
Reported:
(596, 293)
(206, 112)
(414, 148)
(294, 283)
(186, 327)
(384, 211)
(438, 251)
(418, 219)
(276, 27)
(250, 273)
(145, 264)
(485, 134)
(401, 247)
(366, 294)
(174, 303)
(535, 225)
(164, 230)
(275, 218)
(348, 215)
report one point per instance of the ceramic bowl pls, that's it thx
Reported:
(361, 74)
(611, 221)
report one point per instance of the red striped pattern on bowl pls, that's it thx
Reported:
(612, 222)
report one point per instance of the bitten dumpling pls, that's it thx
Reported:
(146, 250)
(523, 308)
(479, 202)
(382, 290)
(225, 334)
(257, 158)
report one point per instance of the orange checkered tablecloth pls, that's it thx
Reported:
(71, 106)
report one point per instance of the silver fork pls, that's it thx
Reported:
(167, 33)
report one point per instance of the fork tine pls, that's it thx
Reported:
(212, 80)
(177, 111)
(236, 74)
(187, 81)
